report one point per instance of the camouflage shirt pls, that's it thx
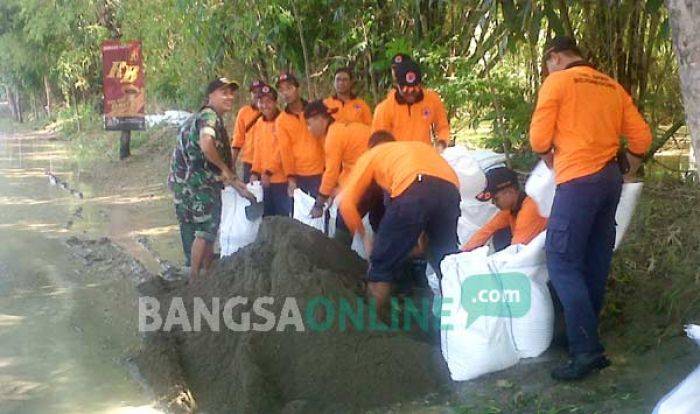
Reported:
(189, 168)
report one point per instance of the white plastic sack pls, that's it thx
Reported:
(474, 214)
(433, 280)
(471, 352)
(332, 217)
(684, 398)
(358, 245)
(625, 209)
(488, 159)
(471, 177)
(236, 231)
(303, 203)
(540, 186)
(486, 345)
(532, 332)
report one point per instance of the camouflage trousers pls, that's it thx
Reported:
(199, 211)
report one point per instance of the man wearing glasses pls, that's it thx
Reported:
(412, 113)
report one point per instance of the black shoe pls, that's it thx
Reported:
(580, 366)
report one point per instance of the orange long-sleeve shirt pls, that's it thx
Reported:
(525, 225)
(413, 122)
(581, 114)
(345, 143)
(244, 119)
(302, 154)
(267, 158)
(354, 110)
(394, 166)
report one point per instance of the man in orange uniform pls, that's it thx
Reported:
(267, 161)
(302, 154)
(344, 144)
(580, 115)
(519, 220)
(412, 113)
(245, 119)
(346, 106)
(424, 197)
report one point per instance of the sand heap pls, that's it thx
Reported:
(311, 371)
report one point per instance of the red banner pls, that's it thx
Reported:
(124, 86)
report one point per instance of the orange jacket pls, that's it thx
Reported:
(345, 142)
(267, 158)
(581, 114)
(413, 122)
(394, 166)
(354, 110)
(302, 154)
(244, 120)
(525, 225)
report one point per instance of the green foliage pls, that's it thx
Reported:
(483, 56)
(655, 277)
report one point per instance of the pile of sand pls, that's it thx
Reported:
(289, 371)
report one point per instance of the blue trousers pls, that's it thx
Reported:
(309, 184)
(247, 167)
(429, 205)
(372, 203)
(276, 200)
(580, 241)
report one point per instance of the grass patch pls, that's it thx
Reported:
(654, 285)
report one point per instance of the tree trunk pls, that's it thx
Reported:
(304, 52)
(685, 26)
(18, 106)
(47, 91)
(11, 101)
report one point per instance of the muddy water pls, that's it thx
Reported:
(57, 353)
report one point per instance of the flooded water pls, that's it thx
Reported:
(57, 354)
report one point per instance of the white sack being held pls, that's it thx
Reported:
(236, 231)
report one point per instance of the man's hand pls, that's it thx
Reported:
(254, 177)
(242, 189)
(634, 162)
(228, 177)
(291, 186)
(548, 159)
(316, 211)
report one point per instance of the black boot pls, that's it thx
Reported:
(580, 366)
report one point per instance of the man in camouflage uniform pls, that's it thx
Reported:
(200, 167)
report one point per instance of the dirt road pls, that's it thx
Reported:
(66, 310)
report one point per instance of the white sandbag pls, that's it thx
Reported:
(433, 280)
(236, 231)
(532, 332)
(625, 209)
(358, 245)
(488, 159)
(332, 219)
(474, 214)
(486, 345)
(684, 398)
(540, 186)
(303, 203)
(471, 177)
